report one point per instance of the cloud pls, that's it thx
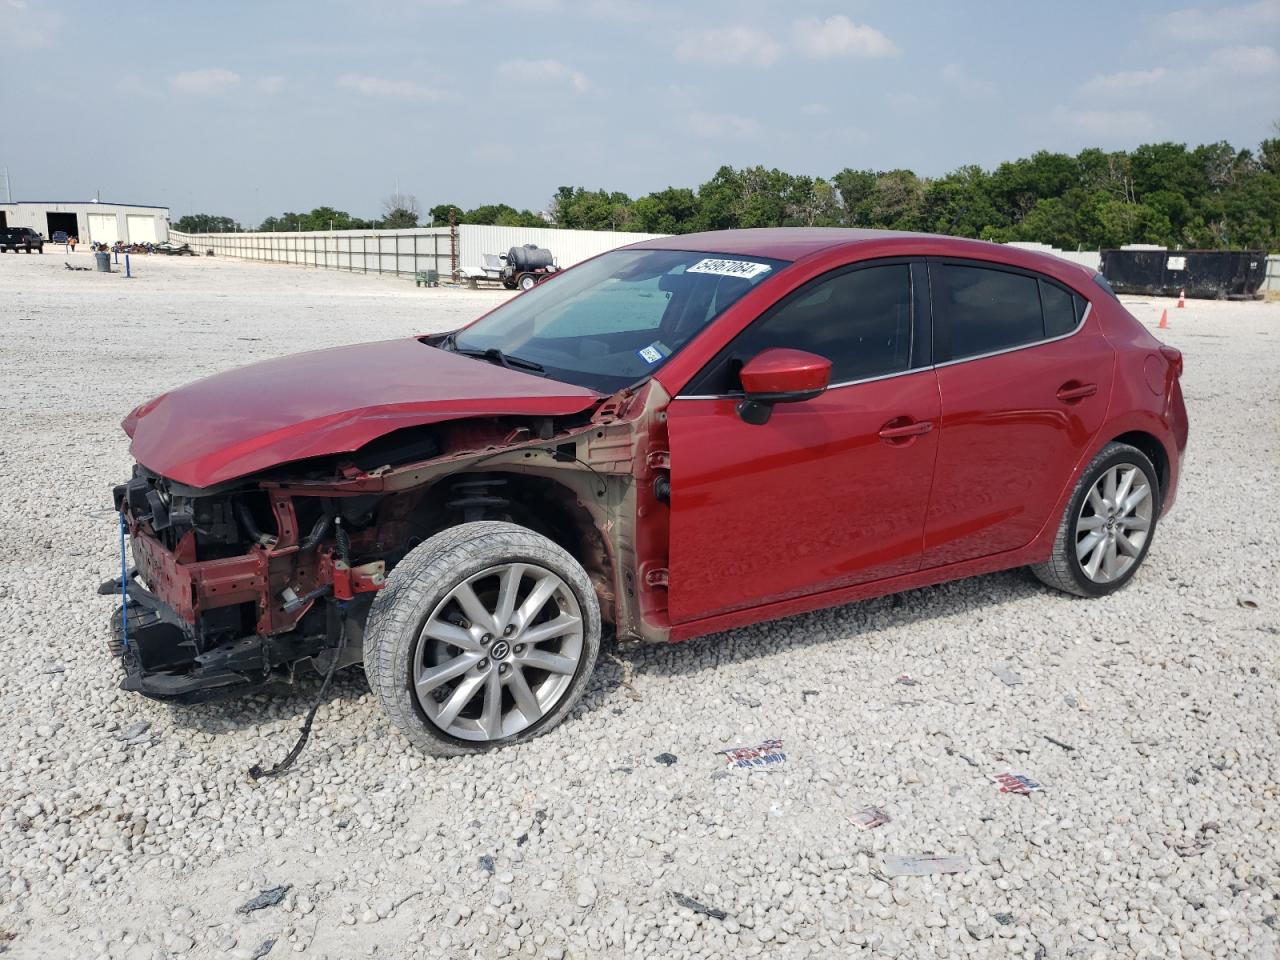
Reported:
(839, 36)
(270, 85)
(1124, 81)
(25, 25)
(957, 78)
(383, 89)
(815, 109)
(1224, 23)
(1127, 125)
(207, 82)
(728, 45)
(721, 126)
(542, 73)
(1244, 61)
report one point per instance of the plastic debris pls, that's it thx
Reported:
(486, 861)
(806, 694)
(1248, 602)
(907, 680)
(666, 759)
(922, 865)
(698, 907)
(1006, 675)
(952, 752)
(267, 898)
(263, 949)
(868, 818)
(134, 730)
(746, 701)
(1016, 783)
(764, 754)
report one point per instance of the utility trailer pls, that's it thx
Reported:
(520, 267)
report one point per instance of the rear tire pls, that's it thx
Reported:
(1108, 525)
(528, 282)
(484, 636)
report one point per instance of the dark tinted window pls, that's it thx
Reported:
(860, 321)
(1059, 310)
(986, 310)
(1081, 306)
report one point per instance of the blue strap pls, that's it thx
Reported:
(124, 590)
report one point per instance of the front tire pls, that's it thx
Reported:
(528, 282)
(485, 635)
(1107, 528)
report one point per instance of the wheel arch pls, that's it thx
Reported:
(1154, 451)
(547, 505)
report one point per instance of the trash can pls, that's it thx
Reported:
(104, 261)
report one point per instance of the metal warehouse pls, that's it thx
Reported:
(91, 221)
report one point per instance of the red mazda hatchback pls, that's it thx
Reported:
(678, 437)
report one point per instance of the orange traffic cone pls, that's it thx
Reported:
(1182, 298)
(1164, 319)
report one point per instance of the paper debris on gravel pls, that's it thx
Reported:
(1016, 783)
(766, 754)
(267, 898)
(922, 865)
(907, 680)
(1006, 675)
(868, 818)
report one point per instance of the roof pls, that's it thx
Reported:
(795, 243)
(65, 203)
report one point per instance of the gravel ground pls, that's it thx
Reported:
(130, 829)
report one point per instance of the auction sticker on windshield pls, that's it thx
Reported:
(745, 269)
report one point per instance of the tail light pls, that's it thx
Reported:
(1174, 356)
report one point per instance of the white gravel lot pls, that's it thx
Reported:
(130, 829)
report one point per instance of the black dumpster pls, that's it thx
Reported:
(1207, 274)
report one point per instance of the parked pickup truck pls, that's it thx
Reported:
(21, 238)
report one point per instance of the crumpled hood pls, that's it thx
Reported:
(327, 402)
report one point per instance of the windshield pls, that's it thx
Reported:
(616, 319)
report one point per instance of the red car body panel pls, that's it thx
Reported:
(1004, 430)
(326, 402)
(812, 500)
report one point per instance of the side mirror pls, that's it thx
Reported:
(780, 375)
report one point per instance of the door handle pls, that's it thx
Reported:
(1074, 390)
(896, 431)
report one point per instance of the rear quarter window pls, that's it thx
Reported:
(987, 310)
(1060, 316)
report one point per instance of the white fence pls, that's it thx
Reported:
(406, 252)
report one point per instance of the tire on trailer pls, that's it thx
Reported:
(1108, 525)
(528, 281)
(485, 635)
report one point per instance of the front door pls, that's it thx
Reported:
(829, 492)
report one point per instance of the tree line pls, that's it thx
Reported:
(1208, 196)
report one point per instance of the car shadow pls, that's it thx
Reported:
(809, 630)
(620, 664)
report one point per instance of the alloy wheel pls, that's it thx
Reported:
(1114, 523)
(498, 652)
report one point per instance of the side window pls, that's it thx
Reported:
(859, 320)
(1060, 316)
(987, 310)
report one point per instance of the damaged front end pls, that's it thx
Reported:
(216, 607)
(237, 585)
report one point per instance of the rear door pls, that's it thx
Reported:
(831, 491)
(1025, 376)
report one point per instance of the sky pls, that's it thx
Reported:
(246, 109)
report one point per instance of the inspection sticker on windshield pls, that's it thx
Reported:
(653, 352)
(730, 268)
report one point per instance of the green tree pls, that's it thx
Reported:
(206, 223)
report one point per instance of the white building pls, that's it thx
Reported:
(90, 221)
